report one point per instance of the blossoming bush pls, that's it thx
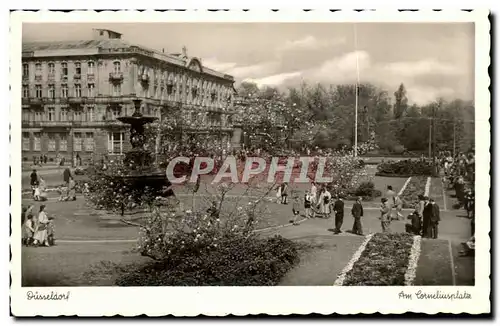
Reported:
(383, 262)
(214, 247)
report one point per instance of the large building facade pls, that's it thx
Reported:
(72, 93)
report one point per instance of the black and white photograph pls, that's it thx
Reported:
(276, 155)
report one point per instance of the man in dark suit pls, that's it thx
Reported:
(338, 208)
(426, 221)
(434, 219)
(357, 213)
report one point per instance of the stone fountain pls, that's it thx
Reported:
(140, 171)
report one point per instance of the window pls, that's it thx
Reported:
(117, 66)
(64, 114)
(77, 141)
(115, 112)
(36, 141)
(90, 67)
(39, 115)
(91, 90)
(155, 90)
(78, 90)
(52, 91)
(52, 68)
(117, 89)
(38, 91)
(90, 113)
(52, 143)
(26, 141)
(89, 142)
(63, 142)
(64, 90)
(78, 68)
(77, 116)
(115, 143)
(26, 115)
(51, 115)
(38, 69)
(26, 70)
(64, 69)
(26, 91)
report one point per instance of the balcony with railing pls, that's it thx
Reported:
(77, 76)
(51, 77)
(90, 77)
(116, 76)
(44, 124)
(38, 78)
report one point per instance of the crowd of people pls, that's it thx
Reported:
(425, 218)
(37, 228)
(321, 204)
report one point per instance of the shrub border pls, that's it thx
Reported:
(389, 175)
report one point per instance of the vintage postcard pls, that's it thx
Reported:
(250, 162)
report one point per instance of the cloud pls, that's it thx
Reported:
(274, 80)
(254, 71)
(423, 94)
(423, 67)
(214, 64)
(309, 43)
(342, 68)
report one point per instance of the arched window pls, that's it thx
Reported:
(117, 66)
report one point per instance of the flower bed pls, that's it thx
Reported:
(405, 168)
(415, 187)
(234, 262)
(384, 261)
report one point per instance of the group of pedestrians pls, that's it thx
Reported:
(425, 218)
(37, 228)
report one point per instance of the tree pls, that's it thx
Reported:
(401, 104)
(248, 89)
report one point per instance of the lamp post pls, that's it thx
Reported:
(356, 93)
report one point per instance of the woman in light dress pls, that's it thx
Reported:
(41, 225)
(324, 202)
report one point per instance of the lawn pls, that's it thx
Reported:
(381, 183)
(74, 264)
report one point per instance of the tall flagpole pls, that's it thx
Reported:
(356, 93)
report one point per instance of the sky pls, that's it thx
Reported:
(431, 60)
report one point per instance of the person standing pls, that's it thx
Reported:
(33, 181)
(314, 193)
(324, 202)
(426, 223)
(390, 195)
(434, 219)
(307, 204)
(284, 193)
(40, 237)
(338, 208)
(66, 176)
(357, 213)
(295, 209)
(385, 215)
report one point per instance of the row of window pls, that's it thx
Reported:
(64, 68)
(87, 115)
(81, 142)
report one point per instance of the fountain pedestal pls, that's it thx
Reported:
(140, 171)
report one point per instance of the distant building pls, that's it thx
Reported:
(73, 91)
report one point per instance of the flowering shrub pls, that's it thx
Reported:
(405, 168)
(383, 262)
(413, 189)
(237, 260)
(366, 190)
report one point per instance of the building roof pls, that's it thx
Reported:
(110, 44)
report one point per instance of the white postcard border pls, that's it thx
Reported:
(219, 301)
